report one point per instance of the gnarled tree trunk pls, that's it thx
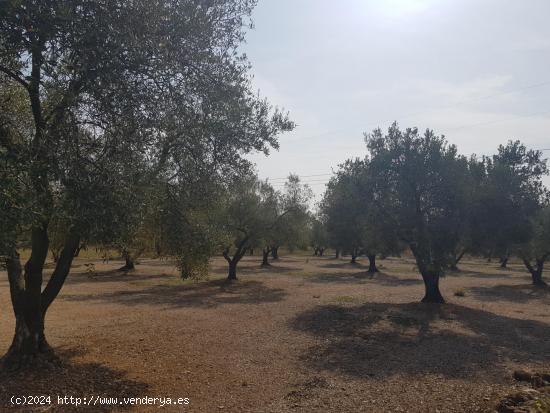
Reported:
(430, 275)
(372, 263)
(265, 257)
(129, 264)
(504, 261)
(80, 248)
(536, 270)
(354, 256)
(30, 304)
(456, 260)
(431, 285)
(232, 274)
(233, 261)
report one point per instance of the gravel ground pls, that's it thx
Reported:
(306, 335)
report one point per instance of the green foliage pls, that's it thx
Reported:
(319, 235)
(353, 220)
(538, 245)
(291, 226)
(256, 215)
(15, 127)
(250, 214)
(510, 193)
(417, 183)
(125, 96)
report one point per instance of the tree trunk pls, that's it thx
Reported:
(321, 251)
(537, 278)
(29, 303)
(158, 248)
(536, 272)
(353, 258)
(337, 254)
(504, 261)
(431, 284)
(129, 262)
(316, 251)
(275, 253)
(372, 264)
(80, 248)
(456, 260)
(55, 255)
(239, 253)
(265, 257)
(29, 342)
(232, 275)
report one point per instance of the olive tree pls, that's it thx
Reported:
(342, 209)
(353, 221)
(417, 185)
(536, 251)
(290, 229)
(318, 235)
(510, 195)
(249, 216)
(116, 93)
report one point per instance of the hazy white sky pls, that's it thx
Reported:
(477, 71)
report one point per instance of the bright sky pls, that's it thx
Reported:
(476, 71)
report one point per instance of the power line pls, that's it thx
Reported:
(325, 181)
(299, 176)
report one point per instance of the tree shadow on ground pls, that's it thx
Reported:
(155, 262)
(112, 276)
(345, 264)
(272, 267)
(382, 339)
(391, 280)
(205, 294)
(63, 377)
(466, 272)
(363, 277)
(515, 293)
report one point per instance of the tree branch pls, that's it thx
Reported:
(14, 76)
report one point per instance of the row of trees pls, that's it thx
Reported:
(260, 217)
(415, 191)
(125, 124)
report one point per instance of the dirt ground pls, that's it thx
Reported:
(306, 335)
